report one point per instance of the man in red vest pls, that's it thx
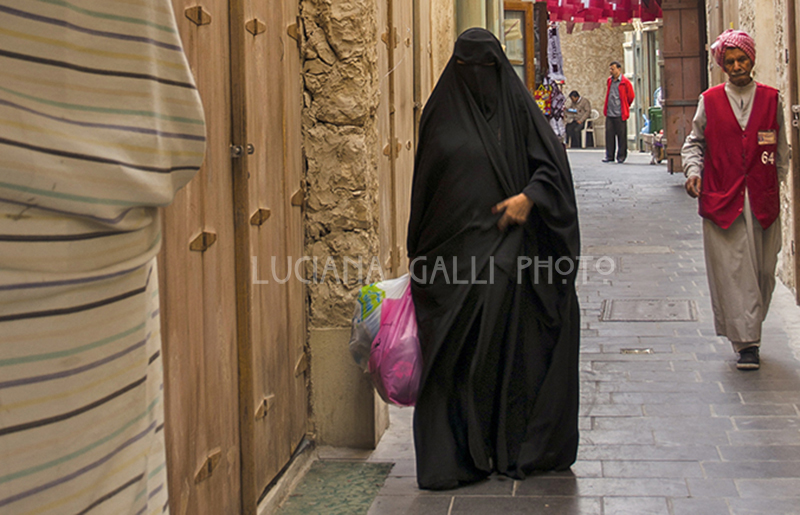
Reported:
(617, 110)
(734, 159)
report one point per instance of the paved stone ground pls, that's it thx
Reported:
(675, 431)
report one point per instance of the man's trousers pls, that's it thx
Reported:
(616, 138)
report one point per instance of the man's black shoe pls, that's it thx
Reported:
(607, 160)
(748, 359)
(620, 161)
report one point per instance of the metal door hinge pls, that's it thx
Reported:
(255, 27)
(209, 464)
(260, 216)
(198, 15)
(238, 150)
(302, 365)
(796, 116)
(299, 196)
(265, 406)
(203, 241)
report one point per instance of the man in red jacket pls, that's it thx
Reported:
(617, 109)
(734, 159)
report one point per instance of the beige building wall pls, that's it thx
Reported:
(586, 58)
(443, 34)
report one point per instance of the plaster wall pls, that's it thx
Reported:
(443, 34)
(586, 59)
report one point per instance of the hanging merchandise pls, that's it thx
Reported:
(543, 95)
(555, 60)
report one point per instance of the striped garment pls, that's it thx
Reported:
(100, 123)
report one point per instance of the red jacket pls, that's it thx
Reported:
(736, 158)
(626, 96)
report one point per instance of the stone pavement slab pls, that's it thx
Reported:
(676, 431)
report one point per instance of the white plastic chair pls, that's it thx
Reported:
(589, 127)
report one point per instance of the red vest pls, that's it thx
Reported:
(735, 158)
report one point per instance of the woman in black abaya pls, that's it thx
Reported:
(493, 239)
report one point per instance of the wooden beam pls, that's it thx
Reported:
(794, 99)
(241, 231)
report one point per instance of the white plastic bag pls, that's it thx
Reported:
(367, 315)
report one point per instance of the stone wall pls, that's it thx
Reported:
(586, 58)
(340, 141)
(766, 20)
(778, 50)
(340, 133)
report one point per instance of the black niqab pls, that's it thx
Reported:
(499, 390)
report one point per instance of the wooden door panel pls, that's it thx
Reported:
(403, 20)
(294, 175)
(685, 74)
(265, 176)
(274, 172)
(386, 145)
(793, 22)
(423, 60)
(690, 30)
(197, 296)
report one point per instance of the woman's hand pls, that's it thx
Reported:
(515, 210)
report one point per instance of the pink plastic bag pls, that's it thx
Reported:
(395, 360)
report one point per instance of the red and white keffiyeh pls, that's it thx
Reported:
(733, 39)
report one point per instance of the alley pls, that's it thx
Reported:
(668, 425)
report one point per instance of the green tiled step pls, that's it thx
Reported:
(337, 488)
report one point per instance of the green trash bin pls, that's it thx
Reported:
(654, 114)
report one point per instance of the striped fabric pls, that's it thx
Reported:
(100, 123)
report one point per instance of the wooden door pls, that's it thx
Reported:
(387, 45)
(424, 75)
(685, 75)
(406, 70)
(404, 126)
(198, 294)
(271, 178)
(233, 333)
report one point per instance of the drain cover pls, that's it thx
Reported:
(648, 310)
(604, 250)
(636, 351)
(589, 185)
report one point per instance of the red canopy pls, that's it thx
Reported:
(599, 11)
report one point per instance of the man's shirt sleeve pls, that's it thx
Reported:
(694, 147)
(783, 145)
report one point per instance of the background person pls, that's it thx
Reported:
(734, 159)
(617, 110)
(577, 112)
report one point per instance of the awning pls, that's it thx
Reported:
(594, 12)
